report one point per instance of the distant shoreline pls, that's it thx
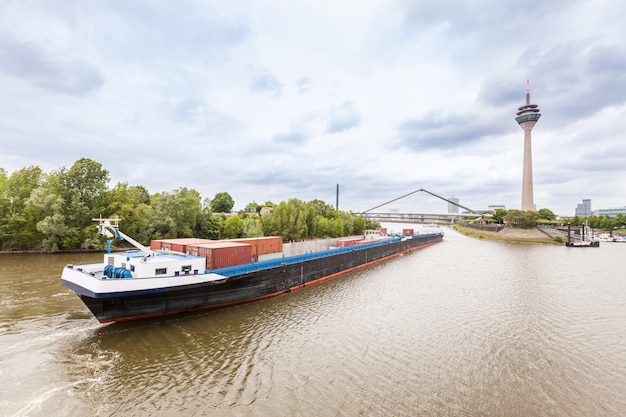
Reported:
(39, 252)
(510, 235)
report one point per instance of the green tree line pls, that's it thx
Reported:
(53, 211)
(530, 218)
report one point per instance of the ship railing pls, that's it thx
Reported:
(289, 260)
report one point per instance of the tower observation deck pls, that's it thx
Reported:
(527, 116)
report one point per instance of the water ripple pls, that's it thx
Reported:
(464, 328)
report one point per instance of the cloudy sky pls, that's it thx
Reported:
(277, 99)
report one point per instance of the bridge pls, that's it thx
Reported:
(419, 217)
(423, 218)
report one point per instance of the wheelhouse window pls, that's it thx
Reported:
(160, 271)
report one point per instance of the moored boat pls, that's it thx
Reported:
(144, 282)
(583, 242)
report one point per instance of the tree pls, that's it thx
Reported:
(159, 224)
(129, 203)
(337, 227)
(5, 202)
(177, 213)
(17, 226)
(54, 211)
(252, 227)
(222, 203)
(359, 225)
(347, 223)
(521, 219)
(322, 227)
(546, 214)
(499, 215)
(321, 208)
(52, 224)
(184, 207)
(211, 226)
(288, 220)
(84, 183)
(252, 208)
(82, 188)
(20, 184)
(233, 226)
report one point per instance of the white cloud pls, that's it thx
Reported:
(275, 100)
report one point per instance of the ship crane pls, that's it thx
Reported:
(111, 228)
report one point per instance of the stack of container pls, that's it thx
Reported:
(222, 253)
(176, 245)
(262, 245)
(342, 243)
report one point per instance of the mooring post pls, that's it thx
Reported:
(569, 229)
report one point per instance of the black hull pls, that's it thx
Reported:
(594, 244)
(248, 287)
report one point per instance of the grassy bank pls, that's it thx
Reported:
(510, 235)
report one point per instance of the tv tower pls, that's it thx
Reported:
(527, 116)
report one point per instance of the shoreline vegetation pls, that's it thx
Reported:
(510, 235)
(53, 212)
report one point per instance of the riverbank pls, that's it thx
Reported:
(510, 235)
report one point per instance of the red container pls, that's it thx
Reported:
(262, 245)
(382, 230)
(221, 253)
(342, 243)
(176, 245)
(270, 244)
(408, 232)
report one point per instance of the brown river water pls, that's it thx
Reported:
(466, 327)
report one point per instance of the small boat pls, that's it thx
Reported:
(606, 237)
(583, 242)
(146, 282)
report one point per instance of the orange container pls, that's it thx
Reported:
(262, 245)
(176, 245)
(408, 232)
(342, 243)
(221, 253)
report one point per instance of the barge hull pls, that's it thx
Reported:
(247, 287)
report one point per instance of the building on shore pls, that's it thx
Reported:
(584, 209)
(611, 212)
(452, 208)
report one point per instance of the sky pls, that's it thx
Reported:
(282, 99)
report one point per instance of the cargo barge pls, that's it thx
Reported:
(146, 282)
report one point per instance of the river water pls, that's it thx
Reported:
(463, 328)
